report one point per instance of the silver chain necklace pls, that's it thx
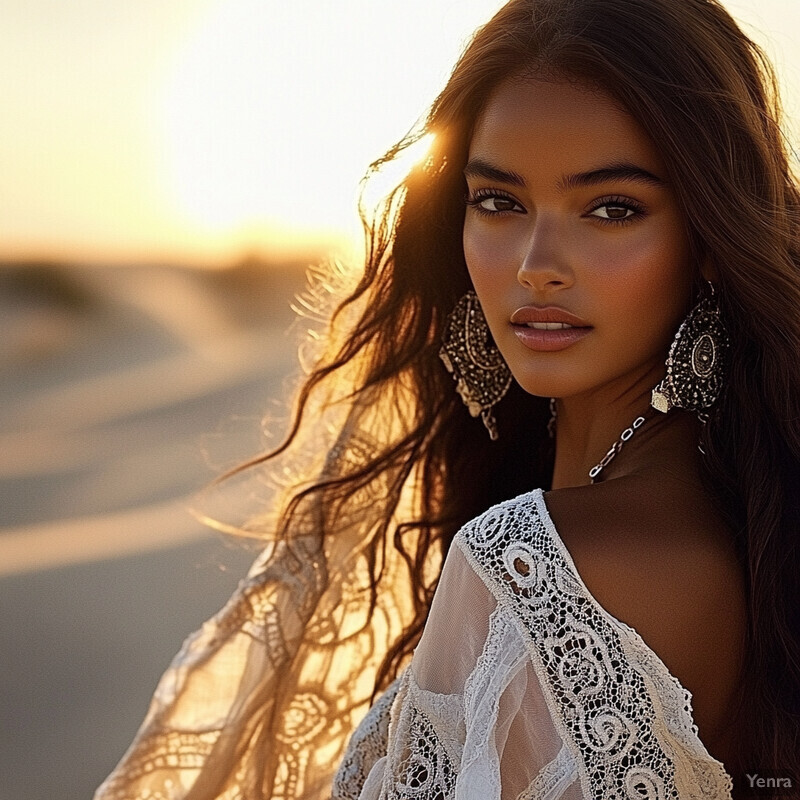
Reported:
(616, 447)
(625, 436)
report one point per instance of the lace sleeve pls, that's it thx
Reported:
(524, 688)
(260, 703)
(228, 671)
(366, 746)
(626, 720)
(470, 720)
(231, 720)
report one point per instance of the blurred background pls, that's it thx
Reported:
(168, 171)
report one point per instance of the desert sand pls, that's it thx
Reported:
(124, 391)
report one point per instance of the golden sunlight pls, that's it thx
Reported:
(200, 130)
(272, 112)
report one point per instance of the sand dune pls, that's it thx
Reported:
(83, 540)
(164, 381)
(123, 393)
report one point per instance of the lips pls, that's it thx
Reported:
(533, 316)
(548, 326)
(548, 329)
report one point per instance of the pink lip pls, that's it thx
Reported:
(545, 341)
(546, 314)
(548, 341)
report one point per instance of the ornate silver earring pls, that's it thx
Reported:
(482, 376)
(696, 361)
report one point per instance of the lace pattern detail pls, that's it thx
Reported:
(503, 655)
(445, 712)
(169, 751)
(554, 778)
(367, 744)
(605, 688)
(421, 763)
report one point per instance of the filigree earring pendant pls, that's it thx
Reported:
(469, 353)
(696, 360)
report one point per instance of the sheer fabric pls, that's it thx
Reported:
(260, 702)
(524, 687)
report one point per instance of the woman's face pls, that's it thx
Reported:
(574, 241)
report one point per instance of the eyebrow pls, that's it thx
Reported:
(620, 171)
(478, 168)
(623, 171)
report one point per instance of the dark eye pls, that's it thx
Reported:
(497, 203)
(615, 212)
(493, 203)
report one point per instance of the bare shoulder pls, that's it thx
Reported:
(661, 559)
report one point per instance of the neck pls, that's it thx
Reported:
(584, 436)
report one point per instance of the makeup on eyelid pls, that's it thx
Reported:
(476, 199)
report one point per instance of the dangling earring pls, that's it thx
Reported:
(696, 361)
(482, 376)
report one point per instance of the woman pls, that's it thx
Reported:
(608, 191)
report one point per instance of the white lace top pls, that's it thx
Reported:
(524, 687)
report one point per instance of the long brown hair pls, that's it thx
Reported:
(707, 97)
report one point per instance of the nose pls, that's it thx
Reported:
(542, 263)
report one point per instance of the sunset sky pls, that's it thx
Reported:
(196, 131)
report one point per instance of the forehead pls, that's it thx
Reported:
(530, 124)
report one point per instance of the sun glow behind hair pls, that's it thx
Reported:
(273, 111)
(199, 130)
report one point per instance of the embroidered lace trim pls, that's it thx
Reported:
(367, 744)
(627, 720)
(554, 778)
(624, 721)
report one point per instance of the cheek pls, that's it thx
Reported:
(646, 286)
(492, 254)
(480, 252)
(484, 259)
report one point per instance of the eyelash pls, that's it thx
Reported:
(613, 201)
(474, 201)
